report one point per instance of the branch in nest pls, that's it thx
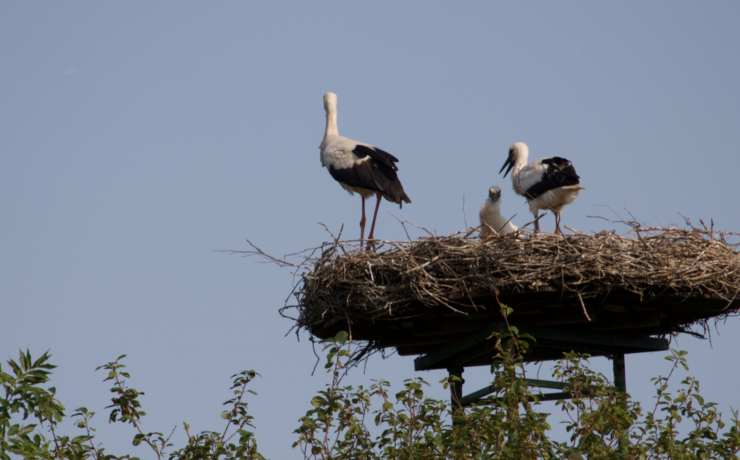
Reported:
(585, 313)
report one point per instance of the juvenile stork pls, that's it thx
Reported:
(491, 220)
(547, 183)
(359, 167)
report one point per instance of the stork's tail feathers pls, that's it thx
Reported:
(405, 198)
(397, 195)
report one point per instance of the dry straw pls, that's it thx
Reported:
(340, 282)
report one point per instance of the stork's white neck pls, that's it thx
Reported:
(518, 165)
(331, 122)
(521, 158)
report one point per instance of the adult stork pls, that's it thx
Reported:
(547, 183)
(491, 220)
(359, 167)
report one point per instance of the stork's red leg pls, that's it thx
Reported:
(372, 228)
(362, 222)
(557, 224)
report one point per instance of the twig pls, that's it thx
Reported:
(730, 302)
(465, 217)
(502, 227)
(585, 313)
(402, 225)
(421, 228)
(574, 230)
(533, 221)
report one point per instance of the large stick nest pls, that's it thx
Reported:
(341, 285)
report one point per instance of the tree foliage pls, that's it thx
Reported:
(343, 422)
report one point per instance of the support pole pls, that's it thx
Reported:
(456, 393)
(456, 387)
(620, 379)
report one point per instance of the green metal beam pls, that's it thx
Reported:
(426, 362)
(545, 384)
(473, 346)
(470, 399)
(585, 347)
(596, 338)
(482, 393)
(475, 396)
(555, 396)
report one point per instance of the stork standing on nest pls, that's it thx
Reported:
(491, 220)
(359, 167)
(547, 183)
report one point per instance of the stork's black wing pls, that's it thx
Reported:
(559, 172)
(378, 173)
(384, 160)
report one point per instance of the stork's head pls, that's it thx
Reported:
(518, 151)
(330, 101)
(494, 193)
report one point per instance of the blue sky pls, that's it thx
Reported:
(138, 138)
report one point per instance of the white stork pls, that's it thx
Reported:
(547, 183)
(359, 167)
(491, 220)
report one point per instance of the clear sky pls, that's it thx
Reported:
(136, 138)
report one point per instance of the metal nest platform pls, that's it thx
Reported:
(618, 324)
(435, 292)
(618, 313)
(440, 296)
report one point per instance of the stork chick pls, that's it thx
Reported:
(491, 220)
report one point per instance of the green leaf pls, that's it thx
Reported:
(341, 337)
(27, 429)
(316, 401)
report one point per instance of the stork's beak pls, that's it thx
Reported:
(508, 163)
(495, 196)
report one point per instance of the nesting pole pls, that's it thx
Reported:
(620, 379)
(456, 387)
